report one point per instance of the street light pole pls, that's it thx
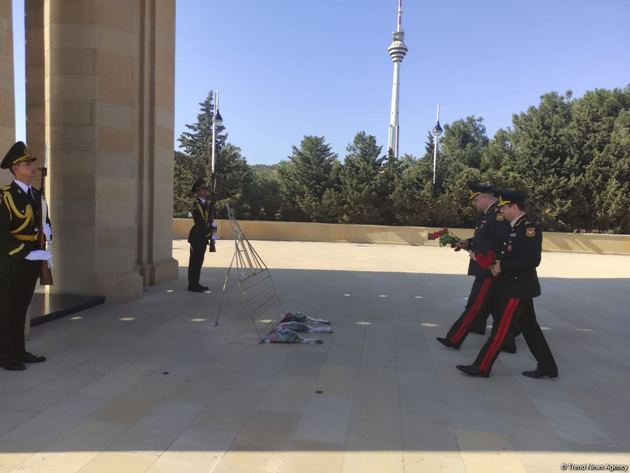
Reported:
(216, 120)
(436, 132)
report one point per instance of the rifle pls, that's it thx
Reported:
(45, 275)
(213, 246)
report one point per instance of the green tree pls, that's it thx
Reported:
(183, 181)
(361, 184)
(412, 193)
(233, 175)
(266, 200)
(464, 141)
(311, 171)
(234, 179)
(609, 175)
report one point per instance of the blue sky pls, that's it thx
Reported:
(289, 68)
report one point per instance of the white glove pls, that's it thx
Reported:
(48, 232)
(39, 255)
(213, 224)
(214, 237)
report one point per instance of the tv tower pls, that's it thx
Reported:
(397, 51)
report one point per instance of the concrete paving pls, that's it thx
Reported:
(151, 386)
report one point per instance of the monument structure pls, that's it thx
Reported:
(100, 97)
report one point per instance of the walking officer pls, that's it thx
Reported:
(517, 285)
(490, 232)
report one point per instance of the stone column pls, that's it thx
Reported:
(156, 121)
(7, 90)
(35, 77)
(106, 97)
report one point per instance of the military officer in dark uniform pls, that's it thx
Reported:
(490, 233)
(199, 235)
(20, 256)
(517, 285)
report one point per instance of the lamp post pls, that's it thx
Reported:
(436, 132)
(216, 120)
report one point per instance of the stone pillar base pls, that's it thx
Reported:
(118, 287)
(162, 271)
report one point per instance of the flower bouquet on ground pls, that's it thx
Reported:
(302, 327)
(301, 317)
(445, 237)
(285, 335)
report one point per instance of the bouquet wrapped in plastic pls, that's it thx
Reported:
(301, 317)
(302, 327)
(285, 335)
(445, 237)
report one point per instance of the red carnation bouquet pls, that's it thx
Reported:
(485, 260)
(445, 237)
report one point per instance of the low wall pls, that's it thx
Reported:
(333, 232)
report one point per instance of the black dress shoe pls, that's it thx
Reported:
(205, 288)
(472, 370)
(30, 358)
(195, 289)
(14, 366)
(540, 373)
(447, 343)
(509, 348)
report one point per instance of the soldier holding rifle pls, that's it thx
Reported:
(200, 234)
(21, 256)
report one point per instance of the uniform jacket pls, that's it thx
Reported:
(520, 256)
(200, 233)
(490, 232)
(19, 220)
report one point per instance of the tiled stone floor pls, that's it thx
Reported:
(151, 386)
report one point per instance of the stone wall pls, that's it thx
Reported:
(328, 232)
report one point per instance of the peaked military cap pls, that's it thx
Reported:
(17, 154)
(476, 189)
(199, 184)
(510, 197)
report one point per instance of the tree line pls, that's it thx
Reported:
(571, 156)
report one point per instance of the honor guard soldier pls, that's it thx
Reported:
(199, 235)
(20, 256)
(490, 232)
(517, 285)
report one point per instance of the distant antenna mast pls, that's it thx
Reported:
(436, 132)
(397, 51)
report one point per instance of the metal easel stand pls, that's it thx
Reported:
(255, 282)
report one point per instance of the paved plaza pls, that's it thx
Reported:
(151, 386)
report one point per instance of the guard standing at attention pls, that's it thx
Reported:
(20, 256)
(490, 232)
(199, 235)
(517, 285)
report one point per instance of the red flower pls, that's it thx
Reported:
(438, 234)
(485, 260)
